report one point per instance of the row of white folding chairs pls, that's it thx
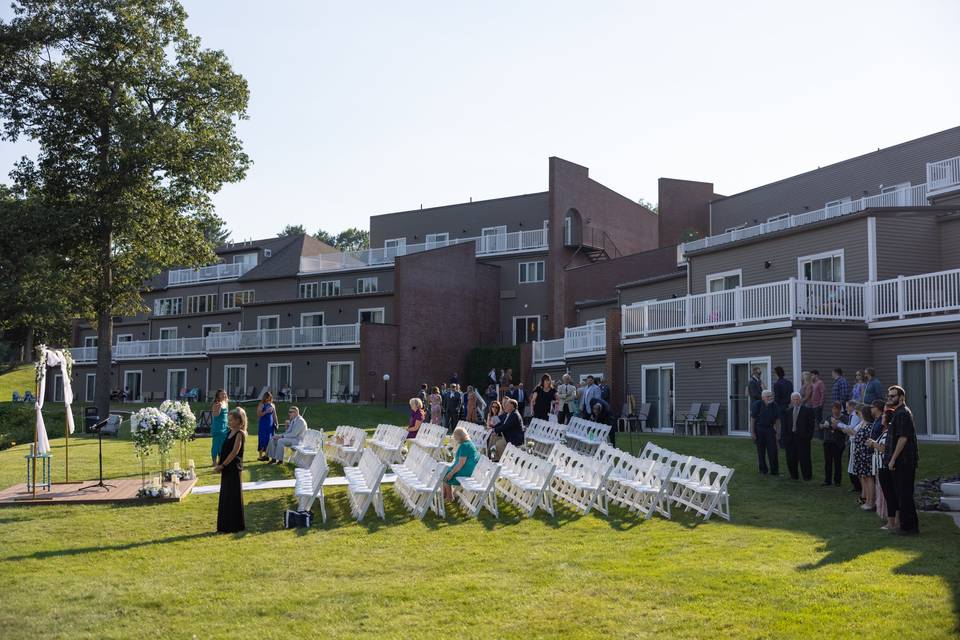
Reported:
(387, 443)
(419, 481)
(542, 436)
(524, 480)
(579, 480)
(309, 485)
(346, 445)
(585, 435)
(479, 434)
(696, 483)
(641, 485)
(302, 454)
(363, 485)
(479, 489)
(430, 439)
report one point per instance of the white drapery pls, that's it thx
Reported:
(52, 358)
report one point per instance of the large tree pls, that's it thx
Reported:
(292, 230)
(136, 127)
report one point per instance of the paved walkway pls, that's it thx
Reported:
(336, 481)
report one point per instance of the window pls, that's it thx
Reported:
(58, 388)
(168, 333)
(394, 247)
(899, 195)
(210, 328)
(314, 319)
(248, 259)
(531, 271)
(202, 303)
(90, 389)
(133, 385)
(167, 306)
(724, 281)
(339, 381)
(367, 285)
(931, 380)
(837, 207)
(176, 381)
(309, 289)
(235, 379)
(782, 216)
(90, 341)
(124, 337)
(658, 391)
(370, 315)
(822, 267)
(568, 231)
(279, 377)
(736, 228)
(329, 288)
(493, 239)
(437, 240)
(526, 329)
(233, 299)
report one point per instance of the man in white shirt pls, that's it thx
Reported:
(292, 436)
(567, 395)
(590, 392)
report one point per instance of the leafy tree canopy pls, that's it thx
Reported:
(351, 239)
(293, 230)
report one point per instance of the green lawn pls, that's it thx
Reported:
(19, 379)
(797, 561)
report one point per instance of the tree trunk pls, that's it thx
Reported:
(105, 382)
(28, 346)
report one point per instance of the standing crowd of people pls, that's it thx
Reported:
(875, 422)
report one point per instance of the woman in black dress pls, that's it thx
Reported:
(230, 512)
(543, 398)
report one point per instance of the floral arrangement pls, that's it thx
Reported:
(170, 474)
(41, 365)
(151, 427)
(155, 492)
(182, 416)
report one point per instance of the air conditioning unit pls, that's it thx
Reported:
(267, 253)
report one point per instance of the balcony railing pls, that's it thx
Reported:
(943, 175)
(547, 351)
(590, 338)
(788, 299)
(911, 296)
(230, 341)
(514, 242)
(906, 197)
(210, 273)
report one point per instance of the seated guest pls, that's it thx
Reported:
(293, 435)
(495, 443)
(464, 461)
(511, 427)
(417, 416)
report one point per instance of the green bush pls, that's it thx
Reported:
(482, 359)
(17, 421)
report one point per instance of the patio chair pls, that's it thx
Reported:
(709, 419)
(315, 394)
(298, 394)
(684, 419)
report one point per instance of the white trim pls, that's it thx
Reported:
(525, 318)
(225, 386)
(259, 318)
(204, 327)
(721, 275)
(58, 397)
(128, 372)
(926, 358)
(872, 249)
(332, 288)
(435, 240)
(890, 188)
(331, 396)
(797, 365)
(910, 322)
(87, 339)
(129, 337)
(537, 265)
(88, 389)
(176, 392)
(673, 398)
(766, 326)
(822, 256)
(749, 362)
(501, 229)
(782, 216)
(313, 313)
(382, 311)
(367, 280)
(306, 287)
(273, 365)
(161, 330)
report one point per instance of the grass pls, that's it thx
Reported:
(797, 561)
(18, 379)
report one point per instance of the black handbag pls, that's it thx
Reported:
(297, 519)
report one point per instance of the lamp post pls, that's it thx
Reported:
(386, 379)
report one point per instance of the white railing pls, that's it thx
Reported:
(906, 197)
(590, 338)
(84, 354)
(943, 175)
(514, 242)
(209, 273)
(908, 296)
(138, 349)
(545, 351)
(788, 299)
(289, 338)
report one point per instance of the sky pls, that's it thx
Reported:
(358, 109)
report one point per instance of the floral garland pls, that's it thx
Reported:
(41, 366)
(183, 418)
(151, 427)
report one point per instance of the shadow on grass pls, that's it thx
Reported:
(56, 553)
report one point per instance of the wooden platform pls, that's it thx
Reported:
(123, 490)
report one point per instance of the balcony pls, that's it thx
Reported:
(211, 273)
(585, 340)
(943, 176)
(915, 196)
(341, 335)
(915, 296)
(503, 243)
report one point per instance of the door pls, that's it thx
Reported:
(720, 307)
(91, 387)
(930, 382)
(658, 391)
(493, 239)
(235, 380)
(268, 328)
(526, 329)
(176, 380)
(133, 385)
(279, 377)
(738, 402)
(339, 381)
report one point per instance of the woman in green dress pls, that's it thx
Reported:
(464, 461)
(218, 426)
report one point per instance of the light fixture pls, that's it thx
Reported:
(697, 364)
(766, 264)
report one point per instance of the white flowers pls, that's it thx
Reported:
(182, 416)
(149, 427)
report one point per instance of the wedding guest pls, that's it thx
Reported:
(436, 407)
(902, 457)
(850, 429)
(859, 386)
(266, 424)
(417, 417)
(567, 397)
(541, 400)
(817, 394)
(451, 407)
(464, 461)
(834, 442)
(863, 459)
(474, 405)
(796, 431)
(218, 426)
(764, 422)
(873, 390)
(230, 509)
(886, 494)
(293, 435)
(494, 417)
(511, 427)
(590, 392)
(782, 389)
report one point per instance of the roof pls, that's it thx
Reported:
(595, 303)
(463, 204)
(285, 262)
(681, 272)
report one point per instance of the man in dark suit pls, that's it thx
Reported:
(796, 432)
(451, 407)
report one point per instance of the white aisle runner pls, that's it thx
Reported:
(337, 481)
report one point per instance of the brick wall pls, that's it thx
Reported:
(684, 207)
(614, 362)
(378, 355)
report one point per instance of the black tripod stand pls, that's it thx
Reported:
(101, 484)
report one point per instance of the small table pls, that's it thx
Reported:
(44, 459)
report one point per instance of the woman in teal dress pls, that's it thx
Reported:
(218, 426)
(464, 462)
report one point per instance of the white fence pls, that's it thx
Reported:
(209, 273)
(590, 338)
(943, 175)
(545, 351)
(515, 241)
(906, 197)
(908, 296)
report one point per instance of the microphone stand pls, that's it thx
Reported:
(101, 484)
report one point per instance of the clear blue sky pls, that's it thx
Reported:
(365, 108)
